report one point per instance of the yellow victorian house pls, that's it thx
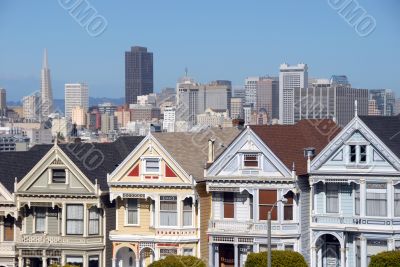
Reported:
(159, 190)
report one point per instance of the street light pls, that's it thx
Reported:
(283, 200)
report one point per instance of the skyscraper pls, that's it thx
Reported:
(3, 102)
(290, 78)
(76, 95)
(30, 106)
(46, 105)
(138, 73)
(384, 101)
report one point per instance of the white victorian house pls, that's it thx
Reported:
(260, 168)
(355, 185)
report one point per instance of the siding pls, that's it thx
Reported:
(346, 199)
(320, 198)
(29, 222)
(144, 219)
(304, 203)
(241, 207)
(217, 206)
(109, 220)
(52, 221)
(205, 207)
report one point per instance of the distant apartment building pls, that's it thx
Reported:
(76, 95)
(3, 102)
(39, 136)
(237, 107)
(150, 99)
(214, 118)
(324, 100)
(250, 87)
(385, 101)
(169, 119)
(108, 123)
(290, 78)
(78, 116)
(61, 127)
(123, 115)
(107, 108)
(144, 112)
(93, 120)
(372, 108)
(138, 73)
(30, 107)
(10, 143)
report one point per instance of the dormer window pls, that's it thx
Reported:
(152, 165)
(357, 153)
(363, 153)
(58, 176)
(353, 153)
(250, 160)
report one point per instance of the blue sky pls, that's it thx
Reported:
(214, 39)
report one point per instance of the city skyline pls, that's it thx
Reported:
(206, 53)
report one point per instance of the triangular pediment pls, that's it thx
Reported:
(354, 150)
(149, 163)
(55, 173)
(236, 159)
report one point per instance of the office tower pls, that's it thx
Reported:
(123, 115)
(217, 95)
(239, 91)
(107, 108)
(30, 107)
(78, 116)
(46, 100)
(247, 111)
(3, 102)
(108, 123)
(76, 95)
(237, 107)
(250, 87)
(373, 108)
(290, 78)
(169, 119)
(267, 96)
(385, 101)
(138, 73)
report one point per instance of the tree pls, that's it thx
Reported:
(280, 258)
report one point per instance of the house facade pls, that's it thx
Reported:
(355, 185)
(262, 170)
(162, 207)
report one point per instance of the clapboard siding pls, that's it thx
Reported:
(217, 206)
(320, 198)
(241, 207)
(346, 199)
(304, 204)
(205, 208)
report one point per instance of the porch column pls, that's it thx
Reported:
(313, 258)
(236, 258)
(363, 244)
(342, 257)
(20, 261)
(44, 261)
(210, 254)
(114, 263)
(63, 218)
(85, 220)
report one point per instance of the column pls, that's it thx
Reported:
(20, 261)
(236, 258)
(63, 218)
(2, 218)
(342, 257)
(363, 195)
(85, 258)
(44, 261)
(313, 258)
(363, 245)
(85, 220)
(210, 254)
(256, 248)
(113, 262)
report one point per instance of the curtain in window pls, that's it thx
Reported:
(397, 200)
(332, 198)
(376, 200)
(40, 219)
(187, 212)
(94, 221)
(168, 211)
(132, 211)
(288, 207)
(75, 219)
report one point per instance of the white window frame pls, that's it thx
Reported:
(98, 221)
(191, 213)
(52, 172)
(35, 220)
(144, 162)
(377, 191)
(126, 212)
(83, 220)
(326, 198)
(177, 212)
(257, 155)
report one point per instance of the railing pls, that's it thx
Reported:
(58, 239)
(354, 220)
(251, 227)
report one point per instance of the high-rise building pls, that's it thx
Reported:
(138, 73)
(150, 99)
(290, 78)
(123, 115)
(46, 100)
(385, 101)
(250, 87)
(76, 95)
(169, 119)
(373, 108)
(30, 107)
(237, 108)
(3, 102)
(78, 116)
(267, 96)
(340, 80)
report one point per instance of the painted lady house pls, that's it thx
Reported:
(162, 206)
(355, 185)
(262, 167)
(61, 202)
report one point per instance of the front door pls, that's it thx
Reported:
(226, 255)
(332, 255)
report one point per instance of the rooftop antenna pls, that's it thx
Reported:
(355, 108)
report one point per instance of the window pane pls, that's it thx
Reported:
(75, 260)
(363, 153)
(376, 200)
(357, 199)
(152, 165)
(58, 176)
(187, 212)
(288, 207)
(94, 220)
(9, 228)
(40, 219)
(168, 211)
(332, 198)
(250, 160)
(132, 211)
(229, 205)
(75, 219)
(94, 261)
(352, 153)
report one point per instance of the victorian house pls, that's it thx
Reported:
(355, 185)
(162, 206)
(263, 169)
(61, 210)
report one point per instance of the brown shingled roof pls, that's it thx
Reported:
(190, 150)
(288, 141)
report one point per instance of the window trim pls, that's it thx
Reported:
(177, 211)
(366, 198)
(127, 211)
(52, 175)
(144, 167)
(338, 198)
(258, 160)
(66, 220)
(98, 221)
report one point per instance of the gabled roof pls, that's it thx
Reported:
(18, 164)
(190, 150)
(387, 129)
(288, 142)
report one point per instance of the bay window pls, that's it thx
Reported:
(267, 198)
(168, 211)
(40, 219)
(94, 221)
(187, 212)
(132, 211)
(332, 198)
(376, 199)
(74, 219)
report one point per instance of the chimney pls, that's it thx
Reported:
(211, 150)
(309, 153)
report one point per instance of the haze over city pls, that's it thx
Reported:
(214, 40)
